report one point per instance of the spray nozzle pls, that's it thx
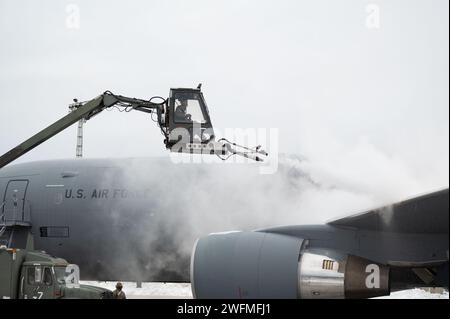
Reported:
(223, 148)
(236, 149)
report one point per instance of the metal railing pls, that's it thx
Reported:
(2, 220)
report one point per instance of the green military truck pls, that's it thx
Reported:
(30, 274)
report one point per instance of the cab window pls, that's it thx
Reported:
(47, 279)
(188, 108)
(34, 275)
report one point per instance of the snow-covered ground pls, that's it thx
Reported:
(149, 290)
(152, 290)
(416, 294)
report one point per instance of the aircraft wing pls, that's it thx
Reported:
(424, 214)
(395, 247)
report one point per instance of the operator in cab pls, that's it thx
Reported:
(180, 112)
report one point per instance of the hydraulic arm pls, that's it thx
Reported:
(80, 111)
(183, 119)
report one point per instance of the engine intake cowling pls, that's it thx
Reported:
(260, 265)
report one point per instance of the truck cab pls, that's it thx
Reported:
(36, 275)
(187, 118)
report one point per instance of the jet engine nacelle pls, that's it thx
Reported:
(258, 265)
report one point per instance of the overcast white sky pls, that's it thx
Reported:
(360, 101)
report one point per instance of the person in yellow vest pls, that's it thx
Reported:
(118, 293)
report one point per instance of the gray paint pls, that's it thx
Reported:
(383, 247)
(422, 214)
(137, 238)
(246, 265)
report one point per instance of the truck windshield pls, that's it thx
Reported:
(60, 273)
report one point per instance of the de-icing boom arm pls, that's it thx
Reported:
(164, 112)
